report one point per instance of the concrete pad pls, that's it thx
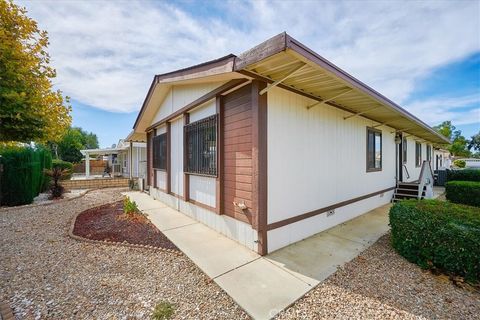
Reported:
(168, 218)
(261, 288)
(365, 229)
(214, 253)
(144, 201)
(314, 259)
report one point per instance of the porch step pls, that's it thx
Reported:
(407, 190)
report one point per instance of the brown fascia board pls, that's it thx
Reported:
(178, 73)
(283, 41)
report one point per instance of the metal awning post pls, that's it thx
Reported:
(87, 164)
(131, 160)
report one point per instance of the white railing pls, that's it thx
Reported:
(426, 180)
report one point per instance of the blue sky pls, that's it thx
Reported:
(424, 55)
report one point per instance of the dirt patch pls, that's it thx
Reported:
(108, 222)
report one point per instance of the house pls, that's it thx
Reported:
(442, 159)
(128, 158)
(277, 144)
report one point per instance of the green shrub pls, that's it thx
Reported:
(67, 166)
(130, 207)
(459, 163)
(23, 174)
(464, 192)
(438, 234)
(163, 311)
(463, 175)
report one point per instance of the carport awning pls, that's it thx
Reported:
(285, 62)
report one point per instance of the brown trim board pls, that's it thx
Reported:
(186, 177)
(169, 159)
(220, 157)
(259, 164)
(208, 96)
(310, 214)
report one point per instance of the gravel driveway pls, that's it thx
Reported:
(46, 274)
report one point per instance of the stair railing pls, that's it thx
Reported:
(406, 171)
(426, 180)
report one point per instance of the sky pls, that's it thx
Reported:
(424, 55)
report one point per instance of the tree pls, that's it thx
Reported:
(459, 145)
(30, 109)
(475, 142)
(74, 140)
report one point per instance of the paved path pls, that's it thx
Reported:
(264, 286)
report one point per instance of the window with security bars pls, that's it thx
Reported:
(201, 147)
(160, 152)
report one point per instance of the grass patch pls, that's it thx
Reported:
(163, 311)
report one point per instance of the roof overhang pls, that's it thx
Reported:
(136, 137)
(283, 61)
(100, 152)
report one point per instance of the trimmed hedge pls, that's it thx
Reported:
(459, 163)
(464, 192)
(438, 234)
(63, 165)
(463, 175)
(23, 174)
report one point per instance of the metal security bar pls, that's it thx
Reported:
(201, 147)
(160, 152)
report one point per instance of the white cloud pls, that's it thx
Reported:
(460, 110)
(106, 53)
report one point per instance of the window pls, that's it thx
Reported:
(418, 154)
(404, 149)
(201, 147)
(160, 152)
(429, 152)
(374, 150)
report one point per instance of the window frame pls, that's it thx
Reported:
(187, 168)
(429, 152)
(418, 154)
(375, 133)
(159, 138)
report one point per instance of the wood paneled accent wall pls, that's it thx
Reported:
(237, 125)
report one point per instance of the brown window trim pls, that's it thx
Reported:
(381, 150)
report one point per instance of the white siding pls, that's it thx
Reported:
(176, 149)
(203, 189)
(207, 109)
(180, 96)
(234, 229)
(162, 179)
(317, 159)
(413, 170)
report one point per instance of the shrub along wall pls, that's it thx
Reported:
(438, 234)
(23, 174)
(463, 175)
(465, 192)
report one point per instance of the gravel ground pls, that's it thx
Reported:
(44, 274)
(380, 284)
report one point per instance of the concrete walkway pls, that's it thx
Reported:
(264, 286)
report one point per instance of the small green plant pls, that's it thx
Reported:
(65, 165)
(130, 207)
(163, 311)
(463, 175)
(459, 163)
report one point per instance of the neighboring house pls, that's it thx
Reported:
(442, 159)
(471, 162)
(277, 144)
(127, 159)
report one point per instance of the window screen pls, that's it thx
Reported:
(374, 150)
(201, 147)
(404, 150)
(418, 154)
(160, 152)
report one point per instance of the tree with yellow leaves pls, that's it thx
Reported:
(30, 110)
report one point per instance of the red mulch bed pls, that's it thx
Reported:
(108, 222)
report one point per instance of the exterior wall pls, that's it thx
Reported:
(317, 159)
(237, 133)
(413, 170)
(180, 96)
(441, 160)
(233, 229)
